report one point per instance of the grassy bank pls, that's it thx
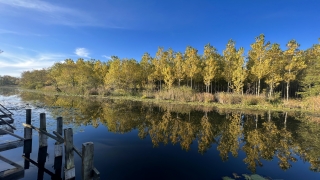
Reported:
(185, 95)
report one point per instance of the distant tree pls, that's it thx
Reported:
(35, 79)
(99, 72)
(146, 68)
(112, 78)
(8, 80)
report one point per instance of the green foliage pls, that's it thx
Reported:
(311, 75)
(35, 79)
(8, 80)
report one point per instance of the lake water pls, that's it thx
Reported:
(143, 140)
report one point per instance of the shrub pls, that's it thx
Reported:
(183, 93)
(253, 100)
(204, 97)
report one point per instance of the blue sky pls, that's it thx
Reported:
(36, 33)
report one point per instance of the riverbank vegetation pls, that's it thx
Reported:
(266, 76)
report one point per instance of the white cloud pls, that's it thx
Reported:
(82, 52)
(107, 57)
(13, 63)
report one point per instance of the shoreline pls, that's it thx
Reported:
(204, 104)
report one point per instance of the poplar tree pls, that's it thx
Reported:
(192, 63)
(258, 61)
(146, 68)
(239, 73)
(233, 66)
(273, 78)
(179, 67)
(209, 57)
(293, 63)
(228, 58)
(159, 63)
(168, 69)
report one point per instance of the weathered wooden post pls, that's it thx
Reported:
(58, 149)
(43, 146)
(69, 169)
(87, 160)
(42, 156)
(27, 146)
(43, 126)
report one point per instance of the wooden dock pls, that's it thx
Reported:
(5, 116)
(63, 147)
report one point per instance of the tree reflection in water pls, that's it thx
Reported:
(261, 135)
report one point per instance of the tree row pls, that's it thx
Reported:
(266, 68)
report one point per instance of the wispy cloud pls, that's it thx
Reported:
(14, 64)
(82, 52)
(5, 31)
(107, 57)
(49, 13)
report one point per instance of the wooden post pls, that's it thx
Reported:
(42, 137)
(58, 150)
(87, 160)
(42, 156)
(69, 169)
(27, 146)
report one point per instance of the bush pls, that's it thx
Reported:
(253, 100)
(204, 97)
(184, 94)
(226, 98)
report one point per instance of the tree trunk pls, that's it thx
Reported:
(288, 84)
(270, 90)
(285, 120)
(258, 87)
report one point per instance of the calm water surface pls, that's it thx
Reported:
(136, 140)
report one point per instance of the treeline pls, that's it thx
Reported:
(265, 69)
(8, 80)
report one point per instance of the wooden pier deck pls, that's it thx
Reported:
(62, 142)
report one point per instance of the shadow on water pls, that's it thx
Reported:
(256, 140)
